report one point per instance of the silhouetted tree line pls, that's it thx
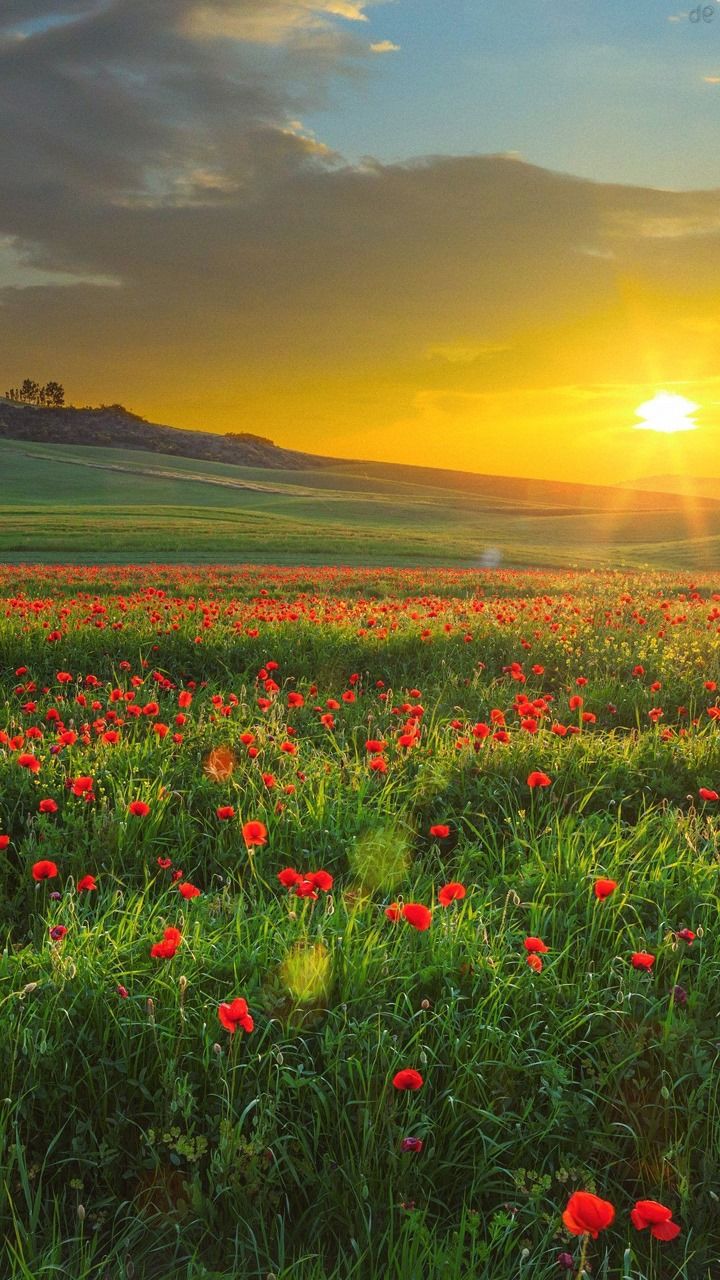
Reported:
(247, 435)
(49, 396)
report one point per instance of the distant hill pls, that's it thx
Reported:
(688, 486)
(113, 427)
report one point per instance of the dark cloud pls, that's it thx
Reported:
(160, 145)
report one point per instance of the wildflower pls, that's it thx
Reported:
(417, 915)
(535, 944)
(188, 890)
(412, 1144)
(254, 834)
(679, 995)
(440, 831)
(44, 870)
(122, 991)
(138, 808)
(58, 931)
(648, 1213)
(686, 935)
(86, 884)
(452, 892)
(166, 949)
(234, 1014)
(408, 1078)
(587, 1214)
(603, 888)
(538, 779)
(47, 805)
(706, 794)
(225, 812)
(535, 963)
(642, 960)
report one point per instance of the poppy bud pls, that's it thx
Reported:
(679, 995)
(81, 1212)
(566, 1261)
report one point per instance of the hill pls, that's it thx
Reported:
(114, 427)
(81, 503)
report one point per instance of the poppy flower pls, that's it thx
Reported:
(166, 949)
(164, 863)
(234, 1014)
(408, 1079)
(48, 805)
(686, 935)
(412, 1144)
(535, 944)
(587, 1214)
(321, 880)
(122, 991)
(648, 1213)
(188, 890)
(289, 877)
(44, 870)
(4, 842)
(440, 831)
(254, 834)
(138, 808)
(28, 761)
(394, 912)
(58, 931)
(225, 812)
(603, 888)
(417, 915)
(86, 884)
(538, 779)
(705, 793)
(452, 892)
(642, 960)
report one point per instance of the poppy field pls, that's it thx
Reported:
(359, 922)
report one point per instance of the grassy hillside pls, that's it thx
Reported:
(61, 502)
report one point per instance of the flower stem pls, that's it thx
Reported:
(583, 1255)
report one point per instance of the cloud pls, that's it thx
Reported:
(384, 46)
(189, 247)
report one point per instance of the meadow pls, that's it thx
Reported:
(359, 922)
(76, 502)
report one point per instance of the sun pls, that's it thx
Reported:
(666, 413)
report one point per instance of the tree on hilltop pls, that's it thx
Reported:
(51, 395)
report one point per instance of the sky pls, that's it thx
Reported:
(474, 234)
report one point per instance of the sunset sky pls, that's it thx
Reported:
(463, 233)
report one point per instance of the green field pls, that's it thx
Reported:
(62, 502)
(517, 738)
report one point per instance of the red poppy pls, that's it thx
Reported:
(587, 1214)
(394, 912)
(289, 877)
(188, 890)
(166, 949)
(28, 761)
(603, 888)
(254, 834)
(538, 779)
(452, 892)
(412, 1144)
(535, 963)
(642, 960)
(138, 808)
(58, 931)
(440, 831)
(648, 1213)
(417, 915)
(86, 884)
(164, 863)
(4, 842)
(234, 1014)
(408, 1078)
(535, 944)
(225, 812)
(686, 935)
(44, 870)
(48, 805)
(706, 794)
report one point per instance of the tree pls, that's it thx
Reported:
(54, 395)
(51, 395)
